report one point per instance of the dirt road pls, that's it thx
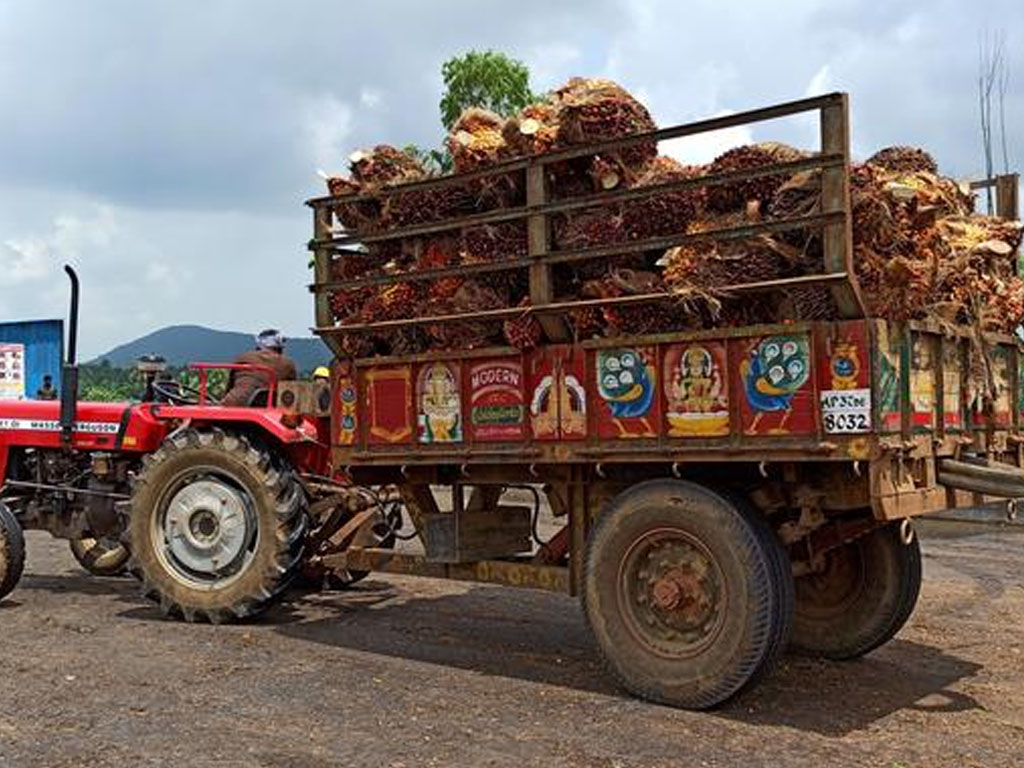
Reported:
(405, 672)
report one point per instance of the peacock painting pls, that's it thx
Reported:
(626, 382)
(773, 374)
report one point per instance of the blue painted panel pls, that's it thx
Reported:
(44, 349)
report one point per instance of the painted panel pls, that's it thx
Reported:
(345, 417)
(558, 401)
(439, 403)
(952, 386)
(572, 403)
(497, 405)
(887, 379)
(1002, 414)
(1020, 387)
(844, 380)
(922, 382)
(774, 377)
(388, 405)
(696, 389)
(626, 381)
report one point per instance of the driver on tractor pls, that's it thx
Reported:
(244, 385)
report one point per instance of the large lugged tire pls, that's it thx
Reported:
(218, 526)
(681, 593)
(100, 557)
(12, 551)
(862, 598)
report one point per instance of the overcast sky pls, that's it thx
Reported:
(165, 148)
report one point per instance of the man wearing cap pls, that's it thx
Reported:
(269, 352)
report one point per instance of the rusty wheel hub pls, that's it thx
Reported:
(672, 592)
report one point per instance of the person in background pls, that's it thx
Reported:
(269, 352)
(322, 373)
(47, 391)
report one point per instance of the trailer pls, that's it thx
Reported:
(725, 493)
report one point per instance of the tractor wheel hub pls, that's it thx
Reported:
(206, 526)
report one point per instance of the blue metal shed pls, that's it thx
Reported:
(44, 349)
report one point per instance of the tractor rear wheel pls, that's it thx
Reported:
(683, 594)
(101, 557)
(218, 526)
(862, 598)
(12, 551)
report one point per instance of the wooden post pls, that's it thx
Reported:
(1007, 202)
(837, 237)
(541, 289)
(324, 318)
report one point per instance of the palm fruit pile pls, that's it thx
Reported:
(919, 251)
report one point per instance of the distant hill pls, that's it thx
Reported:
(181, 344)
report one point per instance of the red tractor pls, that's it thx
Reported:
(225, 508)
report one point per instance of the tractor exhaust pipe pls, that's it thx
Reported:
(69, 372)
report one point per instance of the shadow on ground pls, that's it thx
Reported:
(82, 583)
(542, 638)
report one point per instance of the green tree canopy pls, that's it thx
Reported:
(490, 80)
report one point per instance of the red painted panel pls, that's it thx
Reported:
(773, 377)
(625, 381)
(389, 395)
(497, 404)
(844, 379)
(695, 381)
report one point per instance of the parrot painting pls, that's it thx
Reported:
(776, 370)
(626, 382)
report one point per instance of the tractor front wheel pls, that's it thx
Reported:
(12, 551)
(218, 526)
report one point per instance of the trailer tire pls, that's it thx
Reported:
(101, 557)
(679, 592)
(782, 579)
(218, 526)
(12, 551)
(863, 598)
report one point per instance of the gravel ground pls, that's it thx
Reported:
(414, 672)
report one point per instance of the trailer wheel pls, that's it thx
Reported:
(12, 551)
(782, 580)
(861, 599)
(101, 557)
(218, 526)
(679, 589)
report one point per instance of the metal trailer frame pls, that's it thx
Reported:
(903, 463)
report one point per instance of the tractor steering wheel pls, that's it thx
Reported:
(176, 393)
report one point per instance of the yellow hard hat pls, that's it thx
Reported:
(322, 373)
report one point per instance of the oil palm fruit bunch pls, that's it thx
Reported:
(735, 195)
(904, 160)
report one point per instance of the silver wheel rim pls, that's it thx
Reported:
(206, 530)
